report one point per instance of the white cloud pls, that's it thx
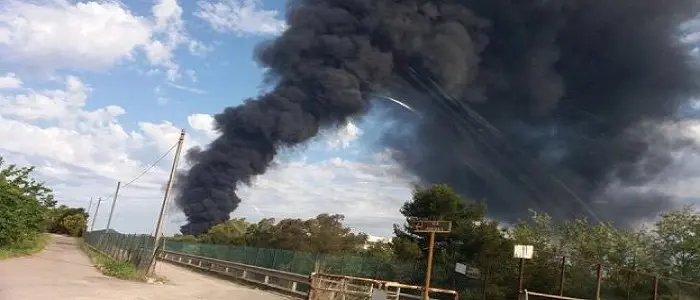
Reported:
(203, 123)
(10, 81)
(344, 136)
(94, 35)
(241, 17)
(58, 34)
(199, 49)
(369, 194)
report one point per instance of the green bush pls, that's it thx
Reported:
(23, 204)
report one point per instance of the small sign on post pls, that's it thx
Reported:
(523, 251)
(468, 271)
(430, 227)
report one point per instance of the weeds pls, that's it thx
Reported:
(32, 245)
(112, 267)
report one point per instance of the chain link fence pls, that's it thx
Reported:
(136, 249)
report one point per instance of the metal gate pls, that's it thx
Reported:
(339, 287)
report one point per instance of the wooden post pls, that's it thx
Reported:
(561, 275)
(656, 287)
(598, 280)
(430, 227)
(521, 277)
(429, 271)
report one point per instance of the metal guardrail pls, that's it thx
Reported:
(287, 282)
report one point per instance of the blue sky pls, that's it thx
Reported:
(92, 92)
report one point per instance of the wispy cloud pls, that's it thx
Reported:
(186, 88)
(242, 17)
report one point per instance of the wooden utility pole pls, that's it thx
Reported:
(97, 210)
(431, 227)
(114, 202)
(89, 206)
(159, 225)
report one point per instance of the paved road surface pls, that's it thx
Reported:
(64, 272)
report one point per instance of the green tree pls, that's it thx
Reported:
(473, 240)
(55, 221)
(261, 234)
(23, 204)
(291, 234)
(74, 224)
(677, 243)
(585, 245)
(327, 234)
(232, 232)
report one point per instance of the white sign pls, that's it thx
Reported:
(468, 271)
(523, 251)
(460, 268)
(379, 295)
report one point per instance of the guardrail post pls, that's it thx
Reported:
(267, 279)
(343, 288)
(311, 287)
(294, 286)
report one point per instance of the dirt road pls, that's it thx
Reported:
(64, 272)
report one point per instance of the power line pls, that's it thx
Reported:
(151, 166)
(147, 169)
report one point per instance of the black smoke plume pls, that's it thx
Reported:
(540, 104)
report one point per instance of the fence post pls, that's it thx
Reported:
(274, 259)
(562, 273)
(291, 264)
(257, 256)
(656, 287)
(486, 280)
(598, 279)
(317, 265)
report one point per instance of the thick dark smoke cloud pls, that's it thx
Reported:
(573, 89)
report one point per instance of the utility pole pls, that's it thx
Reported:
(114, 202)
(94, 218)
(111, 211)
(89, 205)
(159, 225)
(88, 210)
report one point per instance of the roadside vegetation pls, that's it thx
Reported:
(27, 246)
(112, 267)
(28, 212)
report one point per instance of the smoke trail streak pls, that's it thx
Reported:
(512, 90)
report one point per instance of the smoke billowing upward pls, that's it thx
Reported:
(573, 90)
